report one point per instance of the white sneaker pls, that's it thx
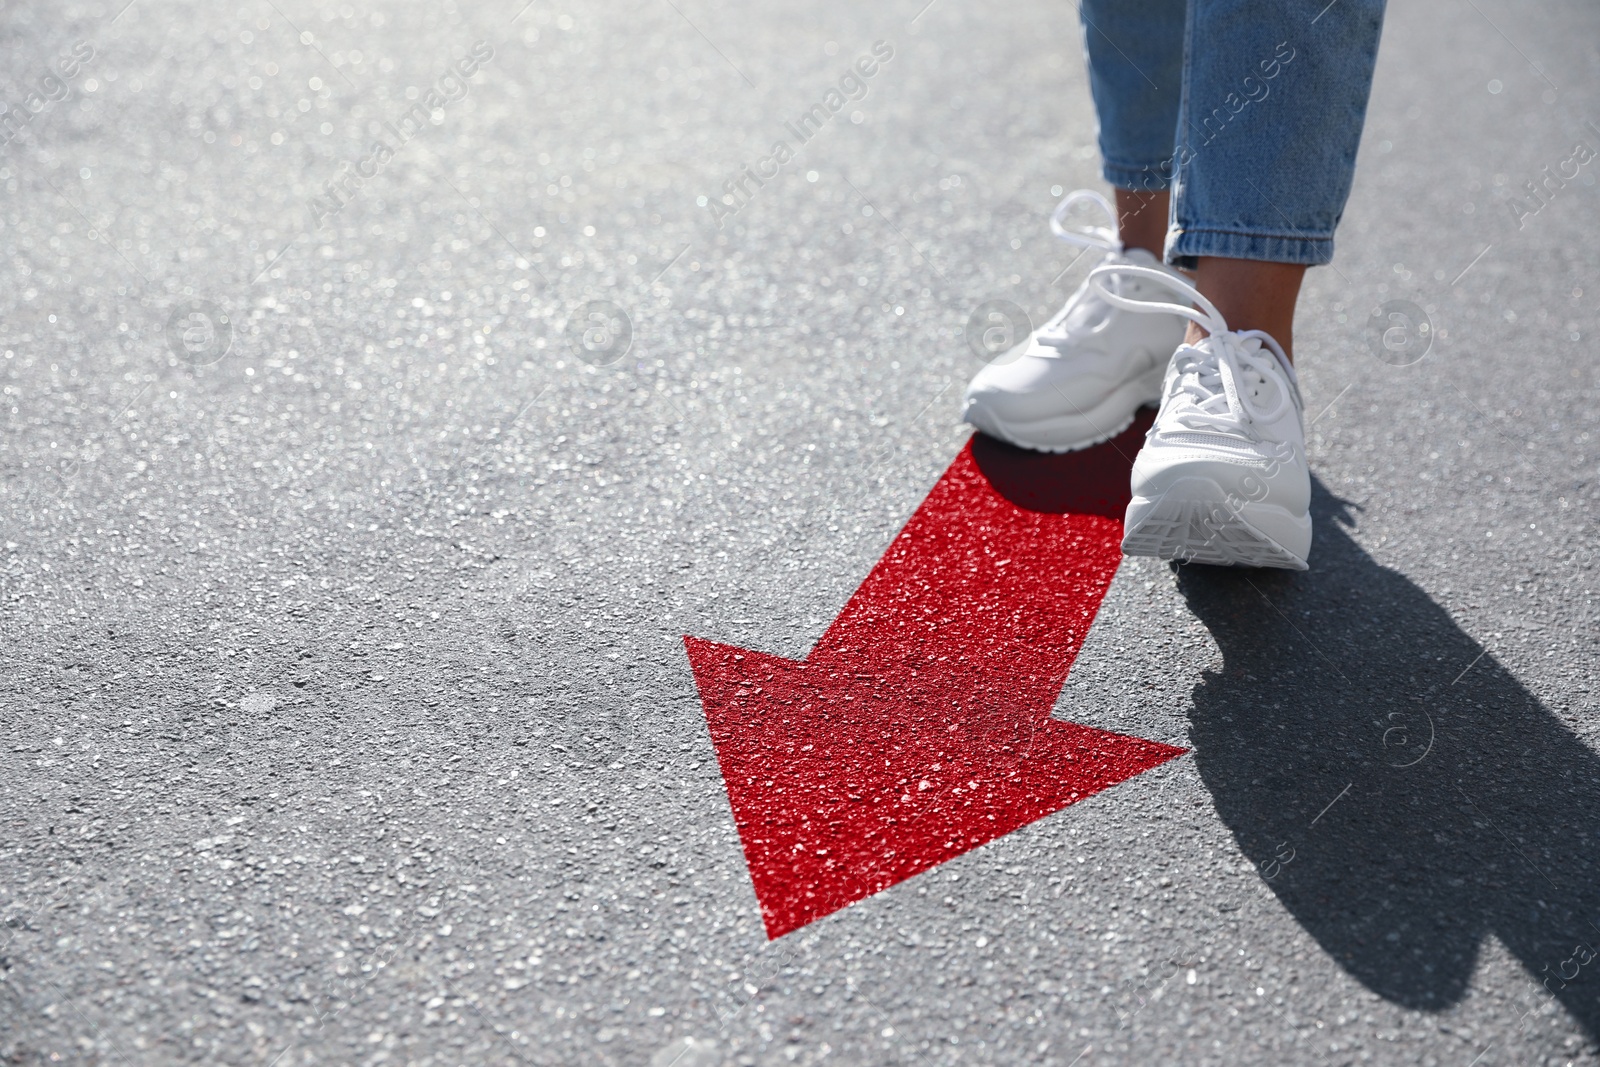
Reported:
(1081, 377)
(1222, 477)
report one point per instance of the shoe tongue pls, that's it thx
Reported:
(1090, 310)
(1085, 315)
(1260, 390)
(1263, 390)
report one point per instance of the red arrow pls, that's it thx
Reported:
(919, 727)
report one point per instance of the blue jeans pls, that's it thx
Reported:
(1250, 111)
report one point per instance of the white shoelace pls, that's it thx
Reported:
(1102, 237)
(1222, 377)
(1082, 311)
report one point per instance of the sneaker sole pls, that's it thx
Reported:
(1191, 524)
(1077, 431)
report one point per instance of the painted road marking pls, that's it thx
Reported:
(919, 726)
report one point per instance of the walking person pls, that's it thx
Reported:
(1228, 131)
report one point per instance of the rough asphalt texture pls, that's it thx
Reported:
(347, 718)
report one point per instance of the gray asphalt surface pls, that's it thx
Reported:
(347, 718)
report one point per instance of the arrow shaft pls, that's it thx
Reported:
(998, 599)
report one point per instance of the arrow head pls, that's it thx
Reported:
(844, 782)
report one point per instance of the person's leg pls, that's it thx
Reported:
(1274, 96)
(1135, 53)
(1083, 375)
(1273, 100)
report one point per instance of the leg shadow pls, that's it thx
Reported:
(1398, 789)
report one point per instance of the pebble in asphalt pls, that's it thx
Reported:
(356, 501)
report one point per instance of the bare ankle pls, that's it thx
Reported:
(1142, 219)
(1251, 295)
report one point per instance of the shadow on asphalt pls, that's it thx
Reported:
(1091, 481)
(1460, 806)
(1397, 788)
